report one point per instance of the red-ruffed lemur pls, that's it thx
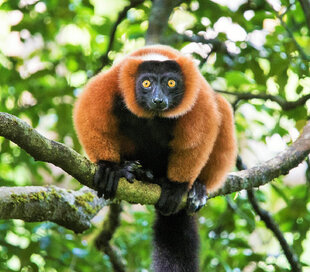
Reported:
(156, 108)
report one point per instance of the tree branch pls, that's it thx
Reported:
(284, 104)
(71, 209)
(43, 149)
(83, 170)
(267, 171)
(110, 225)
(302, 53)
(158, 20)
(217, 45)
(266, 217)
(305, 4)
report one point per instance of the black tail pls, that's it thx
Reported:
(176, 243)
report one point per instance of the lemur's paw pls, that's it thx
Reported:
(171, 197)
(140, 173)
(196, 198)
(108, 174)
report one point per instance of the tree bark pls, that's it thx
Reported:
(158, 20)
(83, 170)
(70, 209)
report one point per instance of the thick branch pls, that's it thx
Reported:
(43, 149)
(267, 171)
(71, 209)
(83, 170)
(284, 104)
(76, 165)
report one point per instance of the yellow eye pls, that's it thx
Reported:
(171, 83)
(146, 83)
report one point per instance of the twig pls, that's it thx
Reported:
(238, 211)
(121, 16)
(305, 4)
(266, 217)
(110, 225)
(299, 48)
(217, 45)
(284, 104)
(290, 33)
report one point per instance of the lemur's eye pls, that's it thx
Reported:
(171, 83)
(146, 83)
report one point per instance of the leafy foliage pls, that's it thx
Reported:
(50, 48)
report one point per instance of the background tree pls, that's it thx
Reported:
(255, 52)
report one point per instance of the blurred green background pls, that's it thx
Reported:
(49, 49)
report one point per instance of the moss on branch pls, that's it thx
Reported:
(71, 209)
(83, 170)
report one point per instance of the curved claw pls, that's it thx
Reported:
(136, 168)
(197, 197)
(107, 177)
(128, 170)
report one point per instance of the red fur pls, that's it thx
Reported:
(223, 155)
(204, 141)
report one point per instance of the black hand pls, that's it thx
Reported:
(197, 197)
(107, 177)
(171, 196)
(140, 174)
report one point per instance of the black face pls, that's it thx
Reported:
(159, 85)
